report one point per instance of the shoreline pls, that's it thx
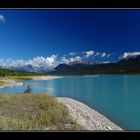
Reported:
(12, 82)
(49, 77)
(87, 117)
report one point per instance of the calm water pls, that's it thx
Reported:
(117, 97)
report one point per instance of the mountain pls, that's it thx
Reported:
(30, 68)
(26, 68)
(6, 72)
(84, 69)
(128, 65)
(125, 66)
(130, 60)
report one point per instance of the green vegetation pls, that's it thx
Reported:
(34, 112)
(6, 72)
(28, 90)
(19, 77)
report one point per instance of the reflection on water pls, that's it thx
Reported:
(115, 96)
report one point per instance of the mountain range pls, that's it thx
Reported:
(128, 65)
(28, 68)
(124, 66)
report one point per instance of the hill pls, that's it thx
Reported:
(125, 66)
(6, 72)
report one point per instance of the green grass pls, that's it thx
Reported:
(21, 77)
(34, 112)
(6, 72)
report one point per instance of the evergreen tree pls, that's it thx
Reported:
(28, 90)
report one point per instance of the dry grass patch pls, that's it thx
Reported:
(34, 112)
(2, 83)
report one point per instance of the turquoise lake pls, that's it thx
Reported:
(117, 97)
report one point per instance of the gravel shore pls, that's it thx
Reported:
(45, 77)
(87, 117)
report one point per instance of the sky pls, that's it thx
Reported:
(48, 37)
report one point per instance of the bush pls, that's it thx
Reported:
(28, 90)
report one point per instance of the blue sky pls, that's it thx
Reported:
(109, 34)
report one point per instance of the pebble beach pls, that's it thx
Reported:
(87, 117)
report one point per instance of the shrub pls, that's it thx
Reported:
(28, 90)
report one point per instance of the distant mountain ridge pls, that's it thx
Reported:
(29, 68)
(130, 60)
(124, 66)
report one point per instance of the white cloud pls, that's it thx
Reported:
(72, 53)
(103, 54)
(40, 61)
(89, 53)
(2, 18)
(70, 60)
(77, 58)
(52, 61)
(43, 62)
(65, 60)
(97, 54)
(130, 54)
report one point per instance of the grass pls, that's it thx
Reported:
(34, 112)
(2, 83)
(17, 77)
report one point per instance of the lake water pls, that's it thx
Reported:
(117, 97)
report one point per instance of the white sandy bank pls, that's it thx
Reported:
(45, 77)
(11, 83)
(87, 117)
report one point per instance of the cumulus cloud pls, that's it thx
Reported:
(52, 61)
(77, 58)
(64, 60)
(103, 54)
(97, 54)
(130, 54)
(89, 53)
(70, 60)
(39, 61)
(2, 19)
(42, 61)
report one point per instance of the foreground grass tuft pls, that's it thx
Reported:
(34, 112)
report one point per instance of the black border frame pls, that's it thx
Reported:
(69, 4)
(45, 4)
